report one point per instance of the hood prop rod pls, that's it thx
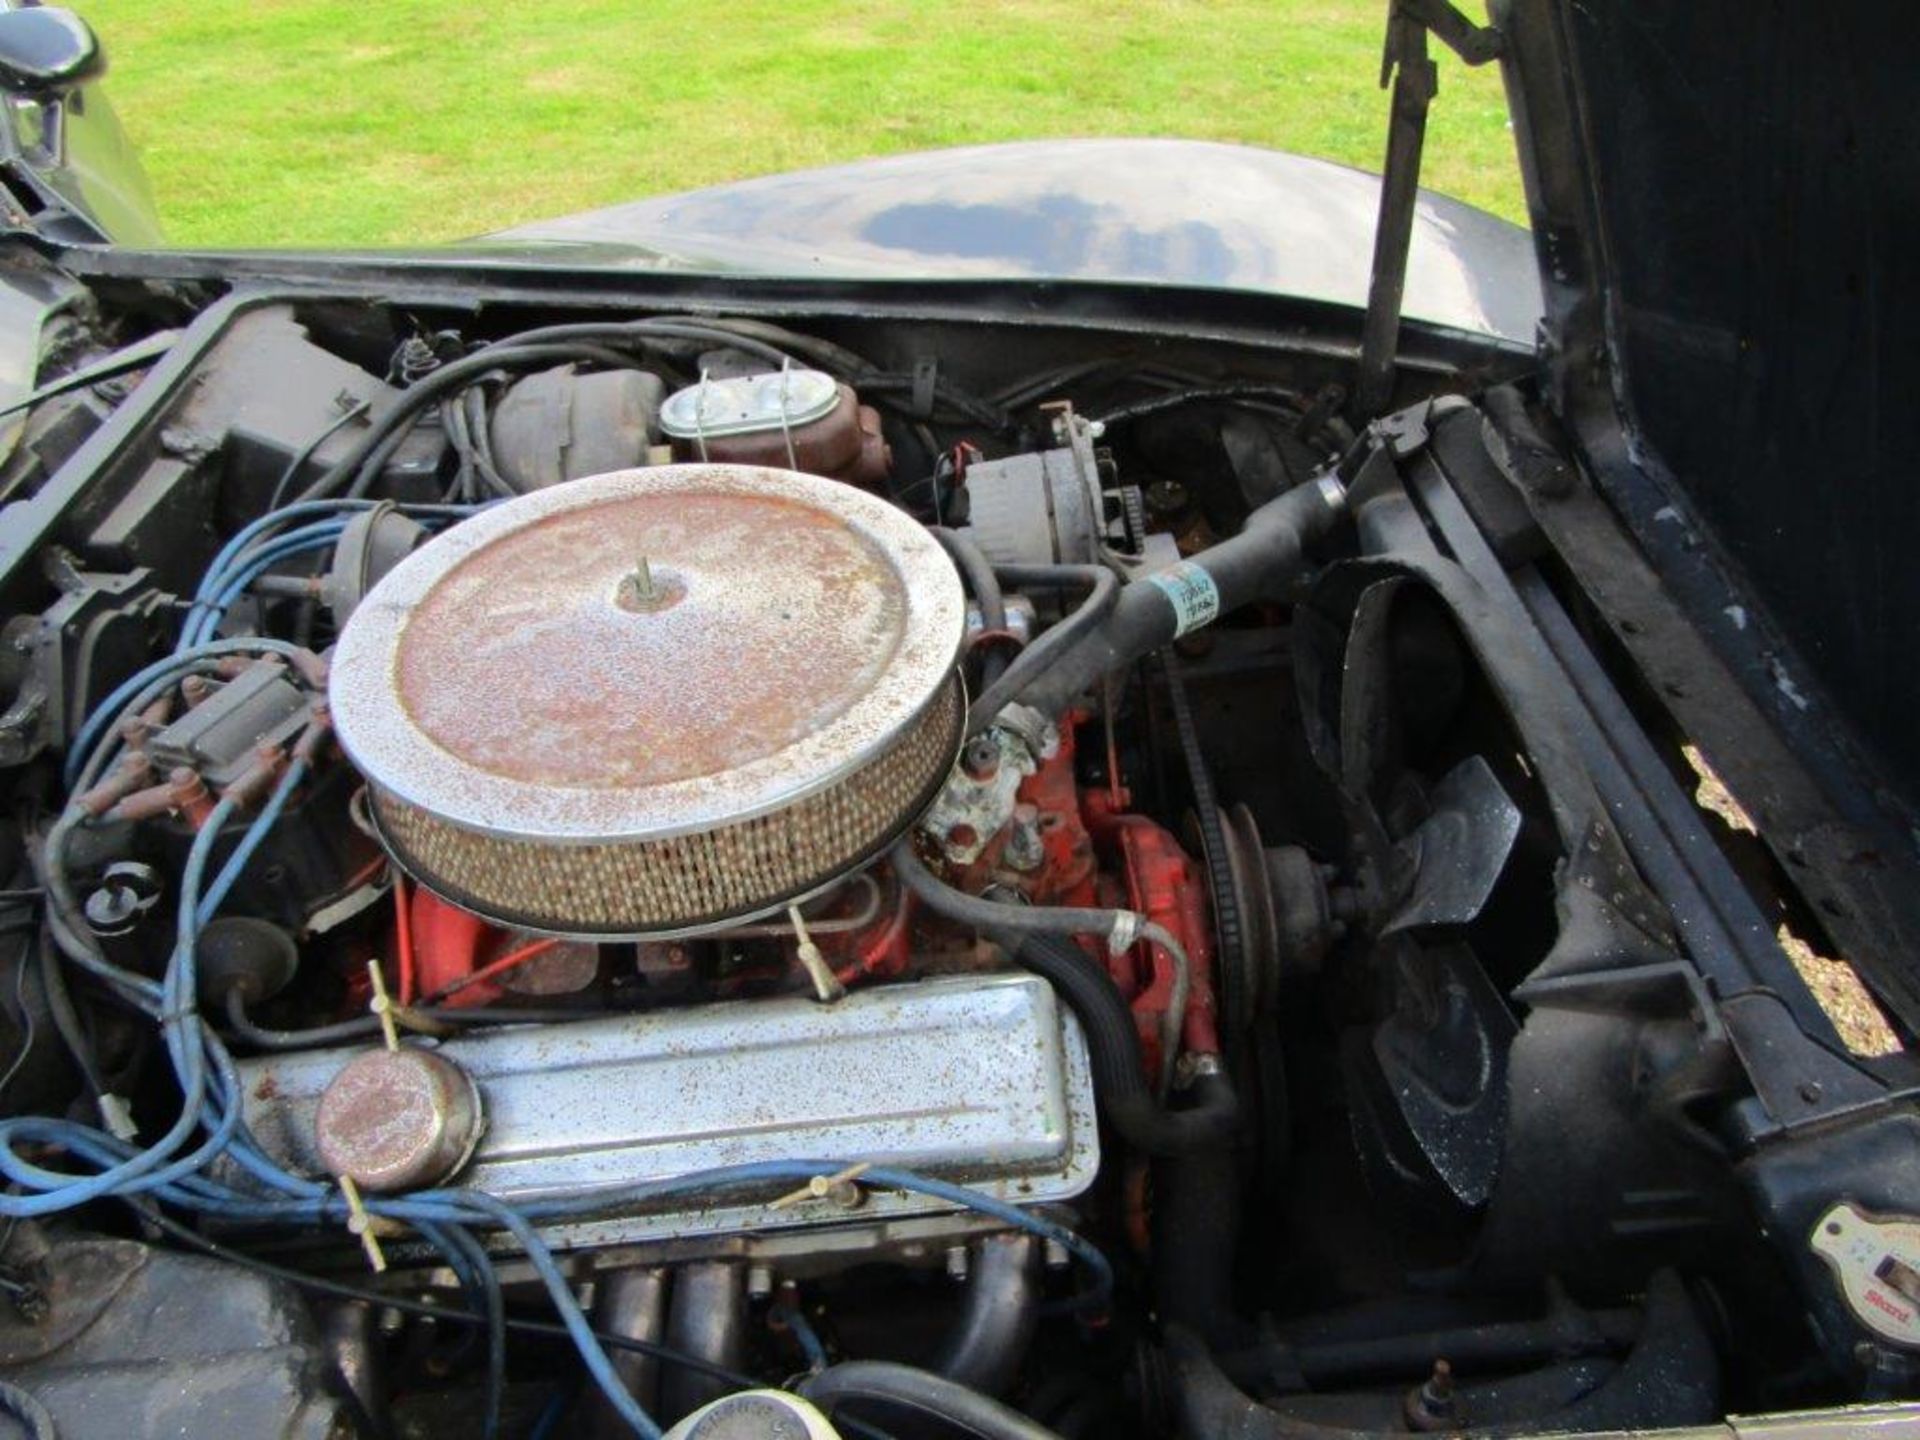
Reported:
(1405, 65)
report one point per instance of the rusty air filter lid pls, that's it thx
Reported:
(646, 654)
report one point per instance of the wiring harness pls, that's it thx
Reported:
(205, 1165)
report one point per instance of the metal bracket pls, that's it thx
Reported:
(1475, 44)
(1405, 64)
(926, 379)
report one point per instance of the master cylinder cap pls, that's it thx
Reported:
(655, 700)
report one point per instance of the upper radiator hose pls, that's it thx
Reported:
(1260, 563)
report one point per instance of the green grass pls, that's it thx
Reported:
(278, 122)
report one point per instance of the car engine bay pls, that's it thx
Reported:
(1009, 879)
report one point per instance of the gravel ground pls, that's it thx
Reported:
(1840, 991)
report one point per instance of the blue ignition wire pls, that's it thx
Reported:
(213, 1099)
(165, 669)
(204, 622)
(243, 538)
(241, 562)
(793, 1315)
(468, 1258)
(269, 815)
(147, 1169)
(440, 1214)
(219, 578)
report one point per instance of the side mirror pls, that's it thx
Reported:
(44, 48)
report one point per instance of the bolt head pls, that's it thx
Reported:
(981, 759)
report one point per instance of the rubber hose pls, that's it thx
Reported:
(1000, 917)
(1119, 1075)
(1103, 591)
(362, 1027)
(975, 568)
(1117, 927)
(374, 465)
(1262, 394)
(399, 418)
(1262, 562)
(977, 572)
(1196, 1239)
(902, 1387)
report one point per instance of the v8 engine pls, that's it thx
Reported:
(578, 866)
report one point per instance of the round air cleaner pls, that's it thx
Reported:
(654, 700)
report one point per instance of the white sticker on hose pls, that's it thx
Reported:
(1194, 596)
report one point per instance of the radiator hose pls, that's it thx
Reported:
(1040, 938)
(1119, 1074)
(1263, 562)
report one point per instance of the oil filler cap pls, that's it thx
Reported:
(397, 1120)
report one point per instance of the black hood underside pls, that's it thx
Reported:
(1724, 198)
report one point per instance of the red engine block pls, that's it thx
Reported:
(1092, 851)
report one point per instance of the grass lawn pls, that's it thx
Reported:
(274, 122)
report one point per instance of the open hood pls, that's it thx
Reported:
(1130, 211)
(1722, 196)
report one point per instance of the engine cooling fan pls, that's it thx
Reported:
(656, 700)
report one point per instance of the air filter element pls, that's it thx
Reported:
(655, 700)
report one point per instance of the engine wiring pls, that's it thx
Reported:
(1023, 831)
(206, 1163)
(174, 1171)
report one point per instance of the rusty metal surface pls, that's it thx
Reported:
(534, 659)
(682, 884)
(397, 1119)
(983, 1080)
(510, 679)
